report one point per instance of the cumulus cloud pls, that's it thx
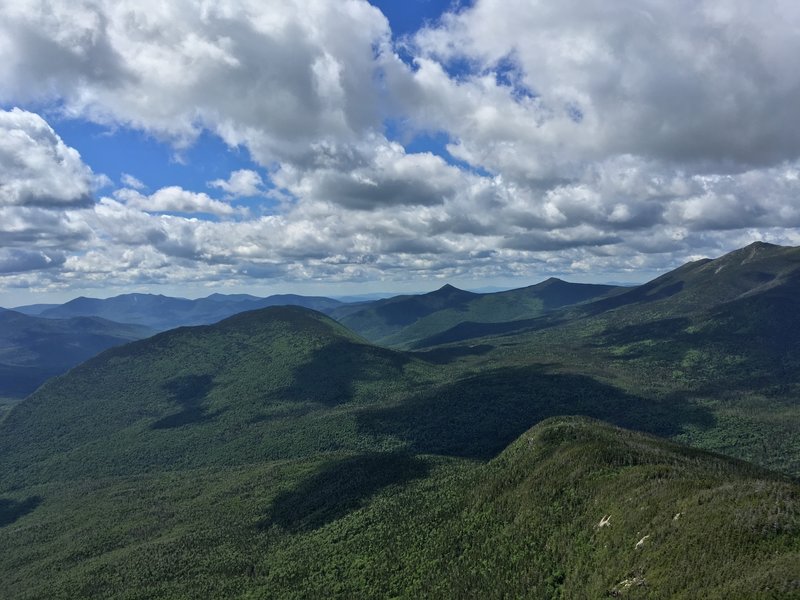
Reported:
(274, 77)
(131, 182)
(36, 167)
(24, 226)
(175, 199)
(374, 175)
(687, 82)
(241, 184)
(580, 137)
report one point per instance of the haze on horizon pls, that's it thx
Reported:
(342, 147)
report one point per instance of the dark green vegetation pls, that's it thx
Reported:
(40, 341)
(6, 404)
(278, 454)
(279, 383)
(720, 337)
(404, 320)
(163, 312)
(526, 524)
(33, 349)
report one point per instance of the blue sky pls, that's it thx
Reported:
(154, 162)
(342, 147)
(405, 18)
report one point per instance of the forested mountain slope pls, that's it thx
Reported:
(404, 320)
(251, 387)
(572, 509)
(720, 335)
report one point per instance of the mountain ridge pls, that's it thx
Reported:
(33, 349)
(402, 321)
(727, 339)
(572, 508)
(696, 286)
(165, 312)
(253, 370)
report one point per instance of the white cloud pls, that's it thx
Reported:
(241, 183)
(687, 82)
(373, 175)
(600, 138)
(174, 199)
(131, 182)
(27, 226)
(275, 77)
(36, 167)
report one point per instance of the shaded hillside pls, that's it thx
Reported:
(34, 310)
(163, 312)
(33, 349)
(287, 383)
(253, 386)
(572, 509)
(378, 319)
(723, 333)
(404, 320)
(699, 285)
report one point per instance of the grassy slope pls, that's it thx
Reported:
(396, 525)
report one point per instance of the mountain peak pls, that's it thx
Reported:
(757, 245)
(449, 290)
(757, 251)
(552, 281)
(752, 249)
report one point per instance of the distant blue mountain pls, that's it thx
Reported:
(33, 349)
(34, 310)
(404, 321)
(364, 297)
(164, 312)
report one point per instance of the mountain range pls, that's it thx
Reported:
(398, 321)
(720, 337)
(164, 312)
(403, 320)
(558, 441)
(39, 341)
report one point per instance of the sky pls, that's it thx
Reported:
(341, 147)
